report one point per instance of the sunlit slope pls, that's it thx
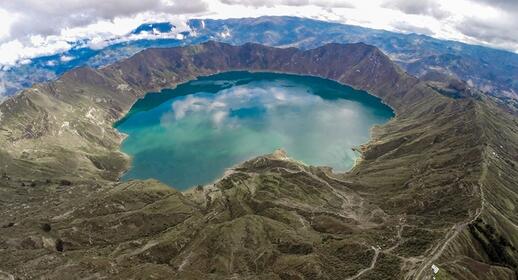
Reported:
(436, 185)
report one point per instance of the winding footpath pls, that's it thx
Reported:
(456, 229)
(377, 251)
(373, 264)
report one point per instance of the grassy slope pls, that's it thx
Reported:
(413, 200)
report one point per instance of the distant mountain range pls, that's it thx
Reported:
(491, 70)
(435, 186)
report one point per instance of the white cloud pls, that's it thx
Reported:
(275, 3)
(423, 7)
(51, 16)
(218, 117)
(443, 19)
(492, 26)
(220, 106)
(65, 58)
(31, 28)
(510, 5)
(6, 19)
(15, 51)
(98, 35)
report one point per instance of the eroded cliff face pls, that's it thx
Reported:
(424, 193)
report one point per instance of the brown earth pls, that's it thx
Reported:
(436, 185)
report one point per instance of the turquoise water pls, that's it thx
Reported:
(189, 135)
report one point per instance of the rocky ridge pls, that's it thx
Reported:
(435, 186)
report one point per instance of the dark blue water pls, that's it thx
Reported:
(189, 135)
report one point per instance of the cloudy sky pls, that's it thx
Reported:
(31, 28)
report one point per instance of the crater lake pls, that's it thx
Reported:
(191, 134)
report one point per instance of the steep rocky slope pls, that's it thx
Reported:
(435, 186)
(494, 71)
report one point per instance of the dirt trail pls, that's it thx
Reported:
(373, 264)
(455, 230)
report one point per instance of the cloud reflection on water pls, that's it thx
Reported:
(191, 139)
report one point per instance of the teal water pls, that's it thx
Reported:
(189, 135)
